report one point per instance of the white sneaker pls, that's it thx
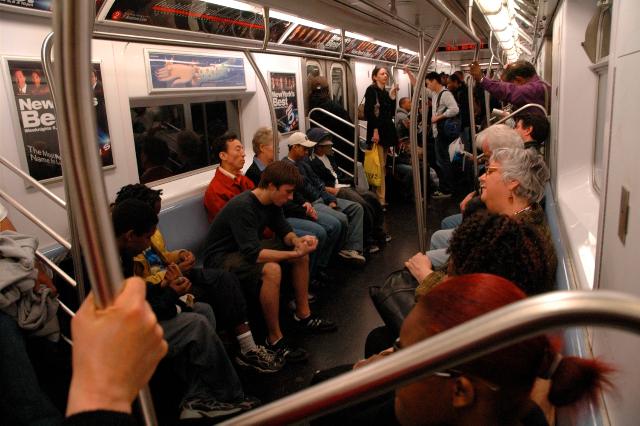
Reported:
(352, 256)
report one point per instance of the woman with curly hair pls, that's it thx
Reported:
(495, 244)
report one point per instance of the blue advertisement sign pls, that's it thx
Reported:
(176, 71)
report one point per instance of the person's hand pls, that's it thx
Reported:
(465, 201)
(311, 212)
(419, 266)
(177, 74)
(375, 138)
(372, 358)
(115, 351)
(172, 273)
(180, 285)
(333, 205)
(436, 118)
(187, 260)
(44, 279)
(393, 91)
(305, 245)
(476, 71)
(331, 190)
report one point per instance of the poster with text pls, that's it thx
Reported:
(285, 101)
(37, 118)
(175, 71)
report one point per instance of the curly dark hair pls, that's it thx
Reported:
(499, 245)
(138, 191)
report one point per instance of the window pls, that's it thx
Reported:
(337, 85)
(313, 69)
(175, 139)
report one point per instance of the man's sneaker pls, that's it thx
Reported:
(352, 256)
(387, 238)
(261, 360)
(373, 249)
(314, 324)
(438, 195)
(208, 408)
(248, 403)
(289, 354)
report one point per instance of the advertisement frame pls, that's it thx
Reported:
(17, 125)
(295, 98)
(150, 79)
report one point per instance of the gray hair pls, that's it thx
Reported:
(525, 166)
(263, 136)
(499, 136)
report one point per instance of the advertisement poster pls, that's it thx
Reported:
(37, 118)
(30, 4)
(285, 101)
(175, 71)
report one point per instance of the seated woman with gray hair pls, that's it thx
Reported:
(513, 185)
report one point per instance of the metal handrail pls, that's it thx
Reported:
(413, 136)
(267, 94)
(33, 218)
(56, 268)
(72, 23)
(59, 201)
(503, 119)
(442, 8)
(76, 255)
(473, 339)
(472, 125)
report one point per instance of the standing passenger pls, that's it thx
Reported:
(379, 108)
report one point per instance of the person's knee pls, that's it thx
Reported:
(303, 260)
(271, 273)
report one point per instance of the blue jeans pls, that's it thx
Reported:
(351, 217)
(320, 257)
(22, 401)
(451, 222)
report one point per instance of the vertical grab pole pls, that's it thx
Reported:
(76, 255)
(356, 122)
(470, 90)
(425, 111)
(487, 103)
(413, 132)
(267, 28)
(73, 24)
(272, 111)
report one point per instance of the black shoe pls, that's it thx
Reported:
(290, 354)
(314, 324)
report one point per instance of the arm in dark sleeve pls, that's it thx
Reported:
(163, 301)
(244, 231)
(370, 99)
(100, 418)
(295, 209)
(323, 173)
(280, 225)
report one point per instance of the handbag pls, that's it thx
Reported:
(395, 298)
(372, 167)
(376, 108)
(451, 127)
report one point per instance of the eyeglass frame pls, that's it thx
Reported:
(452, 373)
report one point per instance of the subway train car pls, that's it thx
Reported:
(166, 78)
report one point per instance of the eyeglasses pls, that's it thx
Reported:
(451, 373)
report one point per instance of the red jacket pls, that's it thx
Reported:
(221, 189)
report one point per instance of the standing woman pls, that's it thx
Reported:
(379, 108)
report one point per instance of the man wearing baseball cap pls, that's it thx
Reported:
(350, 214)
(324, 166)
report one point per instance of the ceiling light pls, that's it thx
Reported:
(489, 7)
(236, 5)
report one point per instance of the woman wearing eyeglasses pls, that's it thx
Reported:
(494, 389)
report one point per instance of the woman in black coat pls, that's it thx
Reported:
(379, 109)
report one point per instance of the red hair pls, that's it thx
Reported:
(462, 298)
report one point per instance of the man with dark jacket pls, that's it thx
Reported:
(213, 387)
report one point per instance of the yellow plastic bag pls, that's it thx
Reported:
(372, 167)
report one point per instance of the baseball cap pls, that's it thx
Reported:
(319, 135)
(299, 138)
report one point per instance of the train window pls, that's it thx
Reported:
(174, 139)
(313, 69)
(598, 148)
(338, 84)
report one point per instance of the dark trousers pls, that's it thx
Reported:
(223, 292)
(373, 225)
(443, 162)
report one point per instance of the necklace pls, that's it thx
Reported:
(522, 210)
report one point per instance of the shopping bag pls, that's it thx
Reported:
(372, 167)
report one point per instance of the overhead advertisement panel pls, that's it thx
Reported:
(198, 16)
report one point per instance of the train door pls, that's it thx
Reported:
(336, 75)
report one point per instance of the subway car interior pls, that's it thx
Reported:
(453, 178)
